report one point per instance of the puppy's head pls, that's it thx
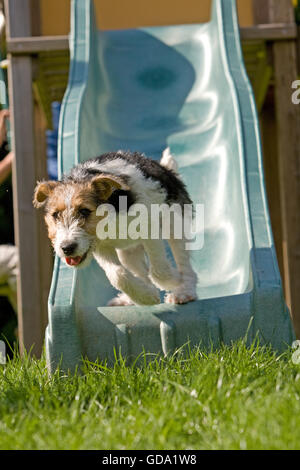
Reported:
(70, 214)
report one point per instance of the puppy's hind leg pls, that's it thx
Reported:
(161, 271)
(186, 291)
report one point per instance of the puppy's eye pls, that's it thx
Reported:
(55, 215)
(84, 212)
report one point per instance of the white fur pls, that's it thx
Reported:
(125, 261)
(146, 190)
(167, 160)
(68, 231)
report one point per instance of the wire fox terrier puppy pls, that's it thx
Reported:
(137, 267)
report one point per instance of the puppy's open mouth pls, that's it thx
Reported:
(75, 260)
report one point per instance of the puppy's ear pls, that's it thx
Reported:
(105, 185)
(42, 192)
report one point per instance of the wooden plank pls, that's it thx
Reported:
(288, 137)
(18, 18)
(27, 168)
(288, 119)
(261, 11)
(268, 127)
(25, 219)
(35, 17)
(33, 45)
(298, 49)
(273, 11)
(269, 32)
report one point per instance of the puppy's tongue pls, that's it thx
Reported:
(73, 261)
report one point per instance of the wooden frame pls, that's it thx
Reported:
(29, 166)
(269, 32)
(287, 148)
(34, 44)
(275, 25)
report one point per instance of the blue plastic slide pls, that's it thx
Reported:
(183, 87)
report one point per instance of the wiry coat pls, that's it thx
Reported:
(71, 215)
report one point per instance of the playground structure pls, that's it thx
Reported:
(275, 35)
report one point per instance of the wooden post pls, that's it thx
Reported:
(29, 166)
(288, 138)
(268, 128)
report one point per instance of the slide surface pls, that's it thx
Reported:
(182, 87)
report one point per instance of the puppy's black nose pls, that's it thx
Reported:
(69, 248)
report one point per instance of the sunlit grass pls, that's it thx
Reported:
(233, 398)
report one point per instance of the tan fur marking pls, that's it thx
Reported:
(85, 197)
(51, 226)
(73, 197)
(42, 192)
(107, 184)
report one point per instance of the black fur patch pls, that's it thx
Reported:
(175, 188)
(114, 199)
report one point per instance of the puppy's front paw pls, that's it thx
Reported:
(120, 300)
(180, 298)
(150, 297)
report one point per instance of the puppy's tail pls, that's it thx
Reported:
(168, 161)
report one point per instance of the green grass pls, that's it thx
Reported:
(235, 398)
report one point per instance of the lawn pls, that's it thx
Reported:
(233, 398)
